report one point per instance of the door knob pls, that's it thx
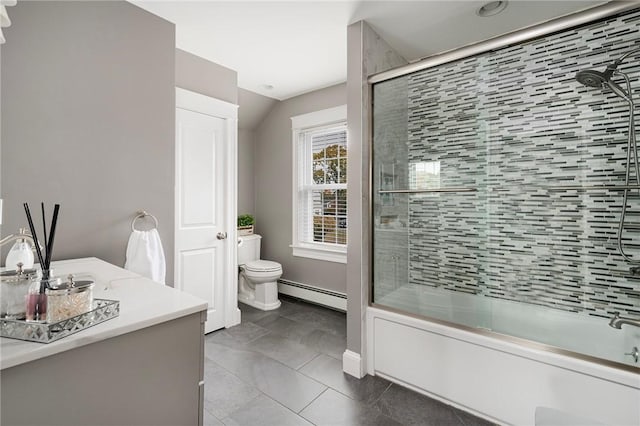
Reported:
(221, 236)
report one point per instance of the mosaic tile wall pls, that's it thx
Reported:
(514, 123)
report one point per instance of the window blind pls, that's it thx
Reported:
(322, 185)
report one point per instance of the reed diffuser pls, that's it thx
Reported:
(37, 298)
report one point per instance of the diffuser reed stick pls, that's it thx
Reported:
(52, 234)
(37, 298)
(44, 224)
(32, 228)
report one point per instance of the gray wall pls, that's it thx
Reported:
(246, 191)
(88, 122)
(273, 186)
(199, 75)
(367, 54)
(252, 109)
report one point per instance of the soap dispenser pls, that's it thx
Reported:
(20, 253)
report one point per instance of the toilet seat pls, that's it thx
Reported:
(262, 266)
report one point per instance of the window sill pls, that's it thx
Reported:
(336, 255)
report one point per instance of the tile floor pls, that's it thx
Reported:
(284, 367)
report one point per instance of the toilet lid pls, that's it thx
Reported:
(262, 266)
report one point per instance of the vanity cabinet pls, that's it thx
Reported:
(144, 367)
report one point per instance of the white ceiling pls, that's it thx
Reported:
(300, 46)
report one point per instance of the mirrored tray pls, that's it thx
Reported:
(103, 310)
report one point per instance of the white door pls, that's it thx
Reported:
(204, 259)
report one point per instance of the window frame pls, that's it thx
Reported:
(327, 118)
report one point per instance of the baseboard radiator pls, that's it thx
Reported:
(313, 294)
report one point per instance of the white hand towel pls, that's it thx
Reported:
(145, 255)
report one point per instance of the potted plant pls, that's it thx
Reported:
(245, 224)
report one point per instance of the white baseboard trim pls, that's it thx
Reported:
(233, 318)
(321, 296)
(352, 364)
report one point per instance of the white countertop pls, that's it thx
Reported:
(143, 303)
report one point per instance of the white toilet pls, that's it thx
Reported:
(257, 281)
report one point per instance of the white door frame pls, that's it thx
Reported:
(197, 102)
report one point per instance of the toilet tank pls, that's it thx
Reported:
(248, 248)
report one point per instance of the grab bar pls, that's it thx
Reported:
(553, 189)
(590, 187)
(426, 191)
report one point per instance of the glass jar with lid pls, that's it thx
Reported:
(14, 285)
(68, 299)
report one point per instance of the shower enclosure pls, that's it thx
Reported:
(505, 192)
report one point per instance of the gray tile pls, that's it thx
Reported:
(264, 411)
(238, 335)
(210, 420)
(322, 309)
(328, 371)
(223, 391)
(289, 306)
(326, 320)
(288, 352)
(251, 314)
(469, 419)
(326, 343)
(412, 408)
(285, 385)
(332, 344)
(286, 327)
(333, 408)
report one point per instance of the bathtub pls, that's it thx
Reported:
(579, 373)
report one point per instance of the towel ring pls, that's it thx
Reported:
(142, 214)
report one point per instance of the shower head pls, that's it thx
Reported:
(592, 78)
(598, 79)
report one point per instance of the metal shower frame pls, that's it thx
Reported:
(515, 37)
(519, 36)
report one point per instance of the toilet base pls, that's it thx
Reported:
(258, 305)
(263, 296)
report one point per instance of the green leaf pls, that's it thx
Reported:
(245, 220)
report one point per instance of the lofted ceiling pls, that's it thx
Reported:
(281, 49)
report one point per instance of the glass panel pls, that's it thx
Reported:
(473, 221)
(329, 216)
(319, 172)
(342, 170)
(329, 157)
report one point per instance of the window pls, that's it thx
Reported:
(424, 175)
(320, 185)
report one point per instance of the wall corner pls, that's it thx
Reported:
(367, 54)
